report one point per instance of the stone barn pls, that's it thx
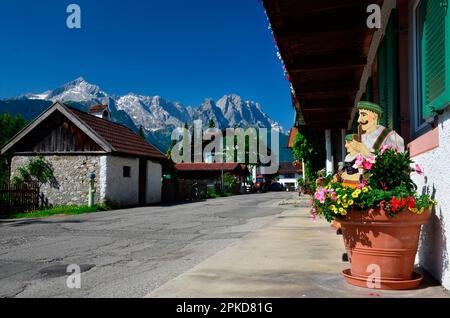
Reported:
(128, 169)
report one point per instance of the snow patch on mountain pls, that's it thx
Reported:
(155, 113)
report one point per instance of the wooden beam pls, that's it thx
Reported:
(327, 109)
(326, 86)
(345, 18)
(326, 62)
(308, 7)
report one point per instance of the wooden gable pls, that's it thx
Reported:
(56, 134)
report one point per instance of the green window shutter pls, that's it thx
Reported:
(435, 56)
(388, 75)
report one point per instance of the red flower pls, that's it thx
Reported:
(396, 204)
(411, 203)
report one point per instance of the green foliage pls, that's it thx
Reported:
(141, 131)
(392, 170)
(309, 148)
(9, 127)
(169, 151)
(229, 179)
(65, 210)
(300, 182)
(210, 194)
(211, 123)
(37, 170)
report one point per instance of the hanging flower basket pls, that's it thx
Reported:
(381, 220)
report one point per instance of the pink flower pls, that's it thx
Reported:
(310, 201)
(362, 184)
(334, 196)
(320, 195)
(387, 147)
(359, 161)
(371, 159)
(367, 165)
(419, 170)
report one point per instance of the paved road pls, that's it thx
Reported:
(126, 253)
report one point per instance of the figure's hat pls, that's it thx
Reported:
(371, 106)
(349, 137)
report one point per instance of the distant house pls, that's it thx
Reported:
(211, 171)
(210, 174)
(128, 169)
(288, 175)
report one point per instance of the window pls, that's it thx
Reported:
(430, 25)
(126, 172)
(387, 75)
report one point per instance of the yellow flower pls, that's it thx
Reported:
(365, 189)
(351, 202)
(356, 194)
(339, 201)
(345, 205)
(341, 210)
(345, 196)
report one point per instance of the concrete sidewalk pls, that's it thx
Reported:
(291, 256)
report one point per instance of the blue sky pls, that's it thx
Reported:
(182, 50)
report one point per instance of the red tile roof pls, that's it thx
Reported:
(120, 137)
(209, 166)
(292, 135)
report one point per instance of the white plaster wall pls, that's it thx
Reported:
(154, 183)
(283, 180)
(435, 240)
(121, 191)
(103, 177)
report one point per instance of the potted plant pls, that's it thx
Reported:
(381, 220)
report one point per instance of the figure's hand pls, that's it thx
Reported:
(361, 148)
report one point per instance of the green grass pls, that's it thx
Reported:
(64, 210)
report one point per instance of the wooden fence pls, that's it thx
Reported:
(18, 198)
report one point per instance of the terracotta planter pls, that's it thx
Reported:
(379, 244)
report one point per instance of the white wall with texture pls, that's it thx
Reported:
(435, 240)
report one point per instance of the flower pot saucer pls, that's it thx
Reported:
(385, 284)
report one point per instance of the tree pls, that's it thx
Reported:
(310, 149)
(211, 124)
(141, 131)
(9, 127)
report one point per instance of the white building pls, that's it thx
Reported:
(128, 170)
(288, 176)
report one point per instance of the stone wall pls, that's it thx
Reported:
(71, 174)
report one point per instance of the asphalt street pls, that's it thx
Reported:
(124, 253)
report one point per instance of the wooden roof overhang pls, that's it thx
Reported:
(326, 46)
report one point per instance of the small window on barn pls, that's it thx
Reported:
(126, 172)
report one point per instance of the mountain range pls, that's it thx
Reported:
(156, 115)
